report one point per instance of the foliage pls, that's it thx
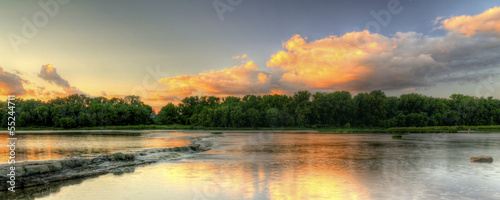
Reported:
(79, 111)
(337, 110)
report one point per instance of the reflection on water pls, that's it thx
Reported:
(213, 181)
(313, 166)
(55, 146)
(40, 191)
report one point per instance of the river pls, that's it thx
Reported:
(288, 165)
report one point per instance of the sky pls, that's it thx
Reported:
(164, 51)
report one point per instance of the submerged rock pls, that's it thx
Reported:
(41, 172)
(481, 159)
(120, 157)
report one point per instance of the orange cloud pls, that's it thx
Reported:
(278, 92)
(264, 78)
(240, 57)
(408, 90)
(11, 84)
(486, 22)
(329, 61)
(238, 80)
(362, 61)
(356, 61)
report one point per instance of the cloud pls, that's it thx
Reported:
(240, 57)
(11, 84)
(244, 79)
(437, 20)
(469, 51)
(326, 62)
(486, 22)
(49, 74)
(408, 90)
(278, 92)
(362, 61)
(17, 72)
(73, 90)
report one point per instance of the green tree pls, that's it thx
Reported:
(42, 114)
(67, 123)
(272, 115)
(168, 114)
(254, 117)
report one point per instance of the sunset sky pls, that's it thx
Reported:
(166, 50)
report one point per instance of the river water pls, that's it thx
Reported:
(304, 165)
(47, 145)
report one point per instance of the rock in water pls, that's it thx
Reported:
(481, 159)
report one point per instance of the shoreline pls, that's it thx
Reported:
(137, 130)
(42, 172)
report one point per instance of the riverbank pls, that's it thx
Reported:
(159, 127)
(131, 129)
(445, 129)
(41, 172)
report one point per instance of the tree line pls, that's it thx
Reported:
(78, 111)
(336, 109)
(303, 109)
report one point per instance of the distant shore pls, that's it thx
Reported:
(136, 129)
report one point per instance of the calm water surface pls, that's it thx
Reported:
(307, 165)
(55, 145)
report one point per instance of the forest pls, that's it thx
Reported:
(78, 111)
(303, 109)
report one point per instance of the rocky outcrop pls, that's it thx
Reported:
(33, 173)
(481, 159)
